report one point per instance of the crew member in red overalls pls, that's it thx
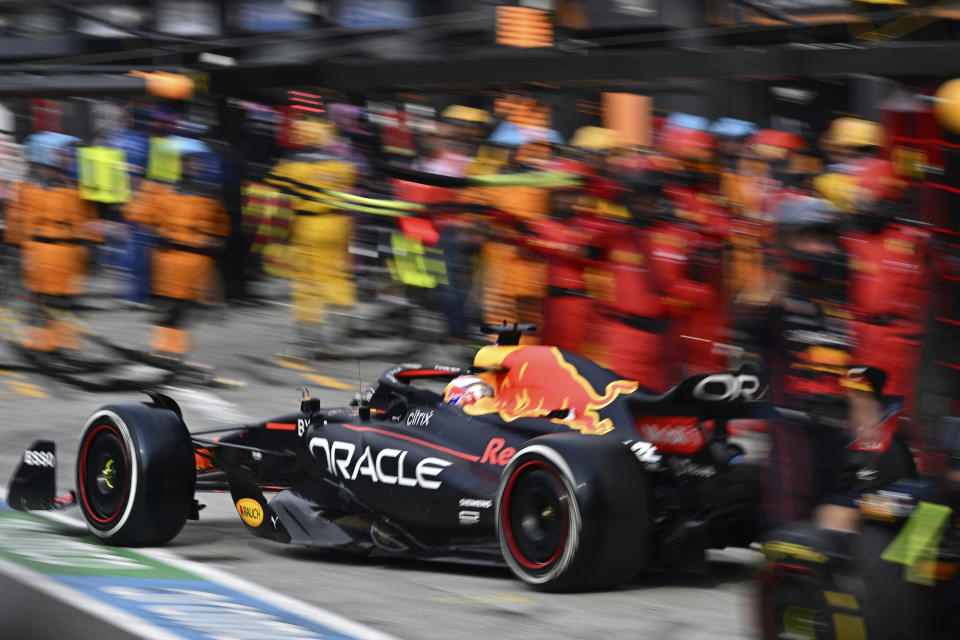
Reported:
(890, 277)
(635, 318)
(562, 240)
(689, 246)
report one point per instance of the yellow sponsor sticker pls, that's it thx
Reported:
(250, 511)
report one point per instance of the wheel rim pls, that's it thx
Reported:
(536, 515)
(104, 474)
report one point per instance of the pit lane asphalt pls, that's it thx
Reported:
(409, 599)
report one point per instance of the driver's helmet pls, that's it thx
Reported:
(464, 390)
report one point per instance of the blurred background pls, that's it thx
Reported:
(665, 187)
(260, 127)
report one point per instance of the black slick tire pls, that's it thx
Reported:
(135, 475)
(573, 513)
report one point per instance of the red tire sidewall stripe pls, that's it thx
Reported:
(83, 471)
(508, 529)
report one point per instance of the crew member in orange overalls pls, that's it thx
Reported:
(53, 226)
(515, 278)
(191, 226)
(763, 177)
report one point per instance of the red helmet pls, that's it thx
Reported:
(687, 143)
(567, 165)
(771, 144)
(643, 162)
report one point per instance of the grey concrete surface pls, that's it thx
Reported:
(410, 599)
(28, 614)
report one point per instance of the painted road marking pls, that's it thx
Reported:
(291, 364)
(26, 389)
(19, 388)
(331, 383)
(152, 593)
(311, 374)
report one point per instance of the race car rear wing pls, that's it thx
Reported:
(34, 483)
(719, 397)
(709, 396)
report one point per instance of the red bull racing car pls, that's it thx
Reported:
(575, 478)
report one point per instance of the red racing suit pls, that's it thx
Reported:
(635, 319)
(688, 252)
(567, 306)
(889, 293)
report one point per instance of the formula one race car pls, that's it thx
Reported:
(574, 477)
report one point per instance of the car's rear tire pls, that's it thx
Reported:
(135, 475)
(573, 513)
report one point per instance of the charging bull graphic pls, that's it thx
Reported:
(536, 381)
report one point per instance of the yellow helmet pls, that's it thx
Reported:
(947, 106)
(465, 114)
(594, 139)
(311, 132)
(854, 133)
(840, 189)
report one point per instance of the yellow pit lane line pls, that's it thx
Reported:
(330, 383)
(23, 390)
(291, 364)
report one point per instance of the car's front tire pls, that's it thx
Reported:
(135, 475)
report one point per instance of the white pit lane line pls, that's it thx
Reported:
(145, 629)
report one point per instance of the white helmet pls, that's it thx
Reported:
(464, 390)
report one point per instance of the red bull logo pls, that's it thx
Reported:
(537, 381)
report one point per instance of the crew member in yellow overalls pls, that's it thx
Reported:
(319, 238)
(53, 225)
(191, 226)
